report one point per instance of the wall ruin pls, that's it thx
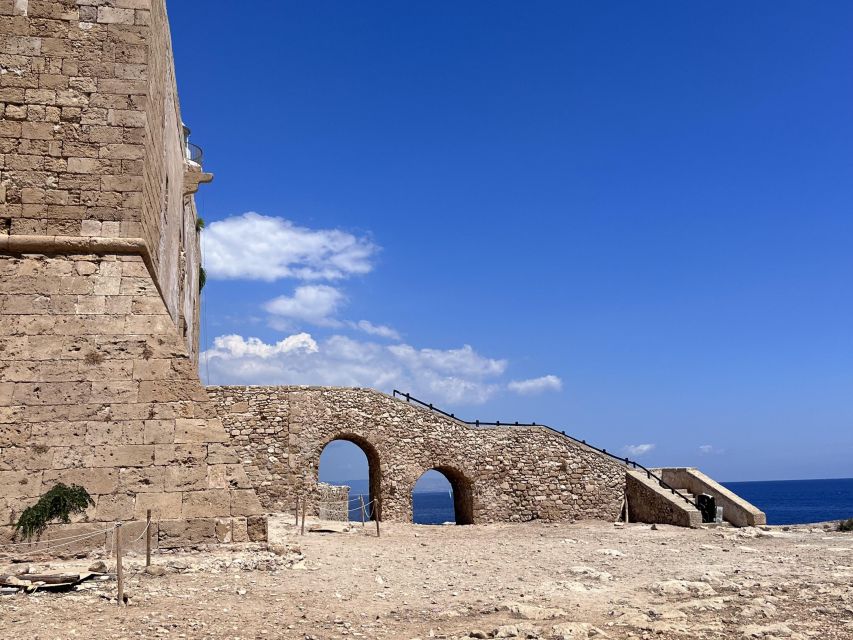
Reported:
(504, 474)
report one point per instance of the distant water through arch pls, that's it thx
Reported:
(433, 507)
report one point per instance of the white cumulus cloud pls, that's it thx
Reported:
(314, 303)
(257, 247)
(533, 386)
(379, 330)
(452, 376)
(638, 449)
(464, 361)
(238, 346)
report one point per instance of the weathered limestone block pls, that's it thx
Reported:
(244, 502)
(162, 505)
(197, 504)
(191, 430)
(256, 528)
(180, 478)
(113, 507)
(183, 533)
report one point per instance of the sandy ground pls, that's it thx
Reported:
(583, 580)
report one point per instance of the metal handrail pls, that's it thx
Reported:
(477, 423)
(194, 153)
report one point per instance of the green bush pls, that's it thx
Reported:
(846, 525)
(202, 278)
(59, 503)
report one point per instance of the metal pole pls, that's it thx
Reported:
(148, 538)
(119, 569)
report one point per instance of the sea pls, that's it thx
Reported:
(784, 501)
(799, 501)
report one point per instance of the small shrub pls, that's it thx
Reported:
(199, 223)
(59, 503)
(202, 278)
(846, 525)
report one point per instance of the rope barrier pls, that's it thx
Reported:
(340, 501)
(139, 537)
(367, 508)
(50, 542)
(116, 540)
(64, 544)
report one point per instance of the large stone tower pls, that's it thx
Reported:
(99, 277)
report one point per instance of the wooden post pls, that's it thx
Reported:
(304, 502)
(377, 511)
(119, 570)
(361, 500)
(626, 509)
(148, 538)
(296, 511)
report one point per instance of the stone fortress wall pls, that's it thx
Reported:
(99, 259)
(505, 474)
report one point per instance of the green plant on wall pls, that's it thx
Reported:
(59, 503)
(199, 223)
(202, 278)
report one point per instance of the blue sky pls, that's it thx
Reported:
(635, 215)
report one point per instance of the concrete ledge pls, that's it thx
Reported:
(72, 244)
(736, 510)
(649, 502)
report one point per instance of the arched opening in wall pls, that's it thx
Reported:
(349, 460)
(442, 495)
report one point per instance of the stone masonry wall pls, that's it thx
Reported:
(96, 388)
(507, 474)
(333, 502)
(91, 143)
(99, 260)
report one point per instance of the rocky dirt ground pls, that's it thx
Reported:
(583, 580)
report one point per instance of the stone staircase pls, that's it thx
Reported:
(686, 494)
(736, 511)
(649, 501)
(692, 497)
